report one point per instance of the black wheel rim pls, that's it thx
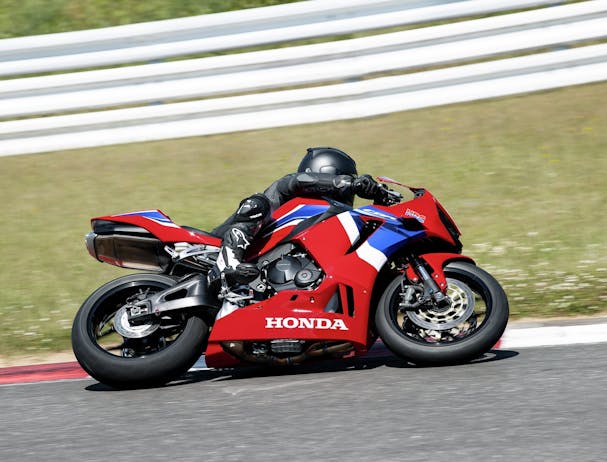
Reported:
(451, 325)
(105, 334)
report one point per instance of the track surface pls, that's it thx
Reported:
(533, 404)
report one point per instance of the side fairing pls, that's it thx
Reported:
(285, 221)
(351, 247)
(389, 236)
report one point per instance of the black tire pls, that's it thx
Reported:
(153, 360)
(401, 334)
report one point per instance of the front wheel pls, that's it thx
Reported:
(468, 327)
(122, 355)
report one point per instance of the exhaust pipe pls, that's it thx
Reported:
(236, 348)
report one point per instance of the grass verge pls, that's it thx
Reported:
(33, 17)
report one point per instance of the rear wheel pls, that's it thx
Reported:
(122, 355)
(468, 327)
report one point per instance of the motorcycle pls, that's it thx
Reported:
(330, 279)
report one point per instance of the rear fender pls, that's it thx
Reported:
(436, 262)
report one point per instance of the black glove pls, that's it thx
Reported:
(365, 186)
(385, 196)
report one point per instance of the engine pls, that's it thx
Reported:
(292, 272)
(288, 268)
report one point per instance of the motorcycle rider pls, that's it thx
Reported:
(323, 172)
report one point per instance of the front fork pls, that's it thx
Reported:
(428, 269)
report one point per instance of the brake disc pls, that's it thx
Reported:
(460, 308)
(126, 329)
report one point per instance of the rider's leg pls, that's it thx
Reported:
(252, 213)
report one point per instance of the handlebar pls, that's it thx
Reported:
(387, 196)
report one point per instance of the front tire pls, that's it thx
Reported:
(470, 327)
(149, 355)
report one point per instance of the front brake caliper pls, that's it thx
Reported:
(435, 284)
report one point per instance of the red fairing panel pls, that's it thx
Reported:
(161, 226)
(285, 219)
(424, 209)
(300, 313)
(289, 315)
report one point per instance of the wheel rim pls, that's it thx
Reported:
(109, 329)
(429, 324)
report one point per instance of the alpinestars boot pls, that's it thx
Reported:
(234, 277)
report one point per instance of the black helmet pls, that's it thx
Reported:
(327, 160)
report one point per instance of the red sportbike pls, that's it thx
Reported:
(332, 278)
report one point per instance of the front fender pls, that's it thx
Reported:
(436, 262)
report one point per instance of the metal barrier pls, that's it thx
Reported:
(448, 44)
(223, 31)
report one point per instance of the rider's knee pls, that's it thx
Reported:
(255, 208)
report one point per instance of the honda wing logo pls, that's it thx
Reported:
(418, 216)
(305, 323)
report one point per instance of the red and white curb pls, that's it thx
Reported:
(552, 336)
(41, 373)
(518, 336)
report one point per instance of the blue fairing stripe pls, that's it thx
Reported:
(387, 239)
(370, 211)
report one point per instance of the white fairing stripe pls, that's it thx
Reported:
(371, 255)
(290, 223)
(349, 225)
(292, 211)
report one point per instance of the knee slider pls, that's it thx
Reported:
(253, 209)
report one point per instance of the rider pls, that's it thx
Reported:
(323, 172)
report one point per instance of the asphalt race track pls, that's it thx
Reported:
(529, 404)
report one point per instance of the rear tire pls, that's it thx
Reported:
(164, 351)
(464, 335)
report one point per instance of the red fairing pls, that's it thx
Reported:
(425, 210)
(161, 226)
(286, 217)
(301, 313)
(291, 314)
(350, 276)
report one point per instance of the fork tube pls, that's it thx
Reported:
(431, 287)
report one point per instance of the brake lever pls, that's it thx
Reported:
(388, 196)
(395, 196)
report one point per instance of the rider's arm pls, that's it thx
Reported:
(315, 184)
(340, 187)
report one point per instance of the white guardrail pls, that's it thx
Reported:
(218, 78)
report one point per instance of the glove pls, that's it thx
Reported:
(385, 196)
(365, 186)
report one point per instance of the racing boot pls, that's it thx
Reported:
(243, 273)
(233, 277)
(234, 274)
(234, 287)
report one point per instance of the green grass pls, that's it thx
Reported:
(33, 17)
(524, 178)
